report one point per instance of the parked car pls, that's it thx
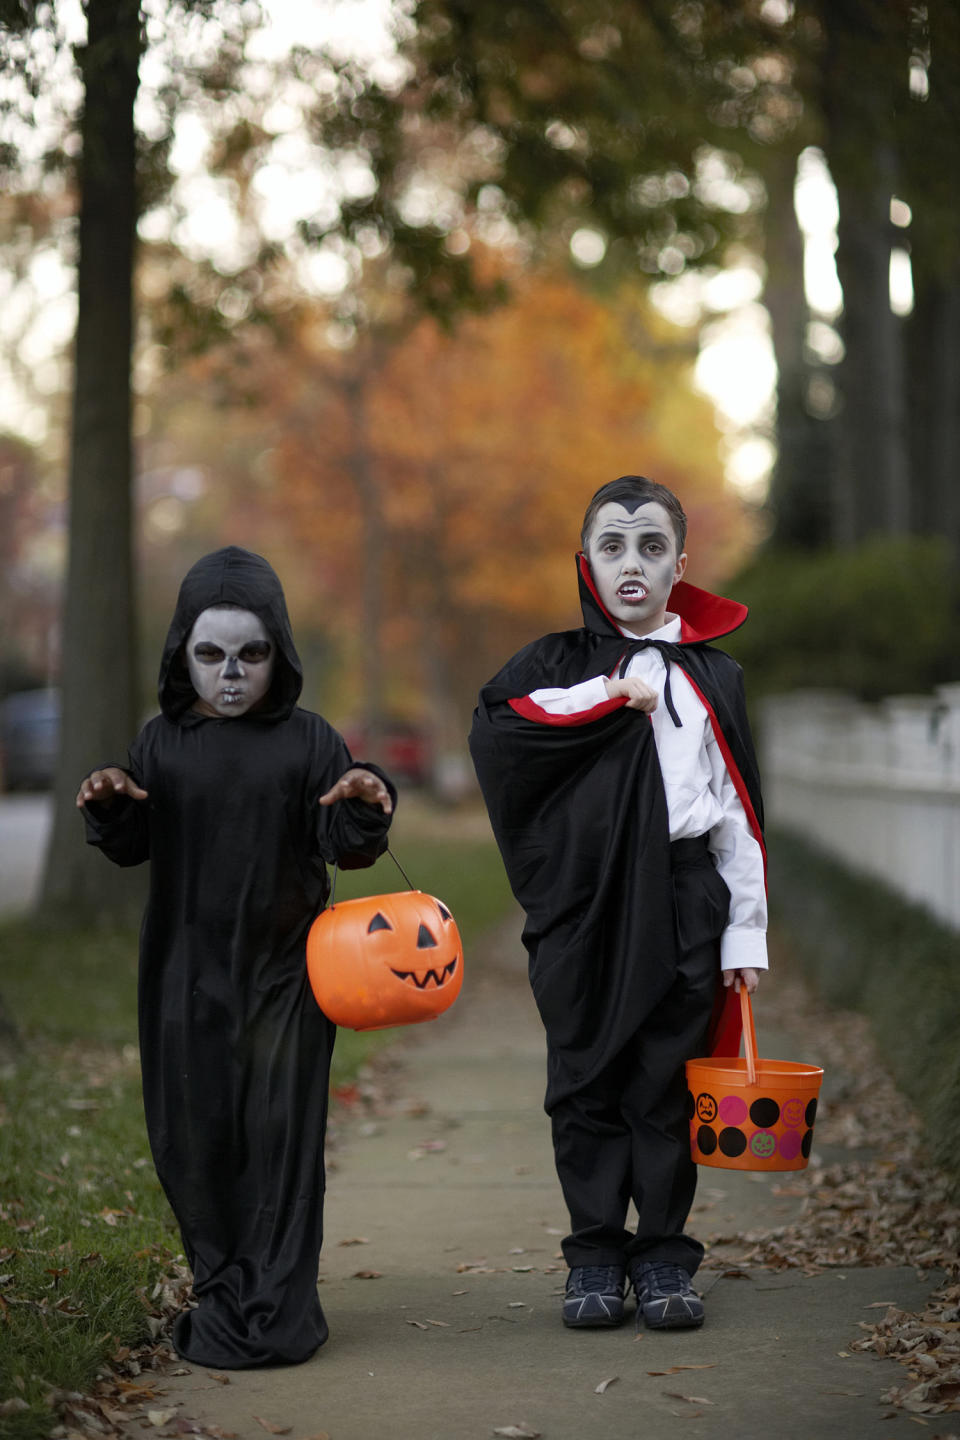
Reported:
(402, 749)
(29, 736)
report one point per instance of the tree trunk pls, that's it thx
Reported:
(934, 352)
(98, 670)
(864, 74)
(362, 473)
(800, 490)
(930, 161)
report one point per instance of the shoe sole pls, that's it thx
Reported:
(676, 1318)
(675, 1322)
(594, 1323)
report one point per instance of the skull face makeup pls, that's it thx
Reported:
(230, 660)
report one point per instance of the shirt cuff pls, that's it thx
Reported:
(572, 700)
(743, 948)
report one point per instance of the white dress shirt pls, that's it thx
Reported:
(701, 797)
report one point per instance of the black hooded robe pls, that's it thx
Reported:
(579, 813)
(235, 1051)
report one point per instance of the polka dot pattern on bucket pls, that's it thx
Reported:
(763, 1129)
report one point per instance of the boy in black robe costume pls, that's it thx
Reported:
(623, 924)
(235, 1051)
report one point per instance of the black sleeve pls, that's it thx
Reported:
(351, 834)
(120, 830)
(358, 830)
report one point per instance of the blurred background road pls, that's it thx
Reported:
(24, 828)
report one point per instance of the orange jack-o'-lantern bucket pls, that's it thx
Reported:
(751, 1114)
(385, 960)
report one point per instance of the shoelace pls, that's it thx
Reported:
(599, 1278)
(663, 1271)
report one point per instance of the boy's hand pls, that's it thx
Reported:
(748, 977)
(359, 785)
(104, 786)
(640, 695)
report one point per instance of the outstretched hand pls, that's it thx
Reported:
(104, 786)
(359, 785)
(748, 977)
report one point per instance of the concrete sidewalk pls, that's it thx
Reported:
(441, 1283)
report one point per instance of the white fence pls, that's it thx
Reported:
(876, 785)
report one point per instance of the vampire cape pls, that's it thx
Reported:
(235, 1051)
(579, 813)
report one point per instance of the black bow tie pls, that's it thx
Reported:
(670, 652)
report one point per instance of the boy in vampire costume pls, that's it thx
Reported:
(618, 770)
(239, 799)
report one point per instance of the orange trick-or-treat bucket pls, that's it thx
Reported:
(385, 960)
(751, 1114)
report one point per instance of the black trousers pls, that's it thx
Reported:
(625, 1135)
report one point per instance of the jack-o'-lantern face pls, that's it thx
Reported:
(763, 1144)
(385, 960)
(791, 1112)
(706, 1107)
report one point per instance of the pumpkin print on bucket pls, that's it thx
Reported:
(385, 960)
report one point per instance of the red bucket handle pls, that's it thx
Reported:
(749, 1034)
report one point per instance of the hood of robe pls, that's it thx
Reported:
(231, 576)
(703, 615)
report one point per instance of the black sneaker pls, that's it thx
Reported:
(665, 1298)
(594, 1295)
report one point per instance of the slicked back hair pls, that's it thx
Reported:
(639, 489)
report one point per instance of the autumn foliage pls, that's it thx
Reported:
(421, 491)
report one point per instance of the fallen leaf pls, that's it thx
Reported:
(355, 1240)
(440, 1324)
(160, 1417)
(675, 1369)
(687, 1399)
(218, 1376)
(367, 1274)
(880, 1305)
(517, 1305)
(272, 1429)
(521, 1269)
(417, 1324)
(605, 1385)
(516, 1432)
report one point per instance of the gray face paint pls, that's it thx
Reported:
(634, 563)
(230, 660)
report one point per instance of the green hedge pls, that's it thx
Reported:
(864, 948)
(880, 618)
